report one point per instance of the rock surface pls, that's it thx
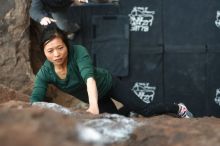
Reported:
(15, 67)
(7, 94)
(23, 124)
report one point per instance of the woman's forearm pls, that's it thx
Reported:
(93, 96)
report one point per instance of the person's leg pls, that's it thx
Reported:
(107, 105)
(120, 93)
(61, 17)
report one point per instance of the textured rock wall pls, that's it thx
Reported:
(7, 94)
(15, 70)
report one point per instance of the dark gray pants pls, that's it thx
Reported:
(62, 21)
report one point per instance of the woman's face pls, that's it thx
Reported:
(56, 51)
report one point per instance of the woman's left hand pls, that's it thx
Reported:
(93, 110)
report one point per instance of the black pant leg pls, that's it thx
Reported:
(107, 105)
(154, 109)
(125, 95)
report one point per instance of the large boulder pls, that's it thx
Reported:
(15, 72)
(46, 124)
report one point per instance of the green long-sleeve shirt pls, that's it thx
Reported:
(79, 69)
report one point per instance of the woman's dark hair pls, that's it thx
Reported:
(51, 32)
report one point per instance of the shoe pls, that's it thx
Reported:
(75, 30)
(184, 112)
(75, 27)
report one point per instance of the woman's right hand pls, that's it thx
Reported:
(46, 20)
(93, 110)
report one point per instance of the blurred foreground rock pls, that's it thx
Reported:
(23, 124)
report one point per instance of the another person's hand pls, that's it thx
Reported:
(80, 2)
(46, 20)
(93, 110)
(83, 1)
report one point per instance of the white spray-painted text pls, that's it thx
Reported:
(144, 91)
(141, 19)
